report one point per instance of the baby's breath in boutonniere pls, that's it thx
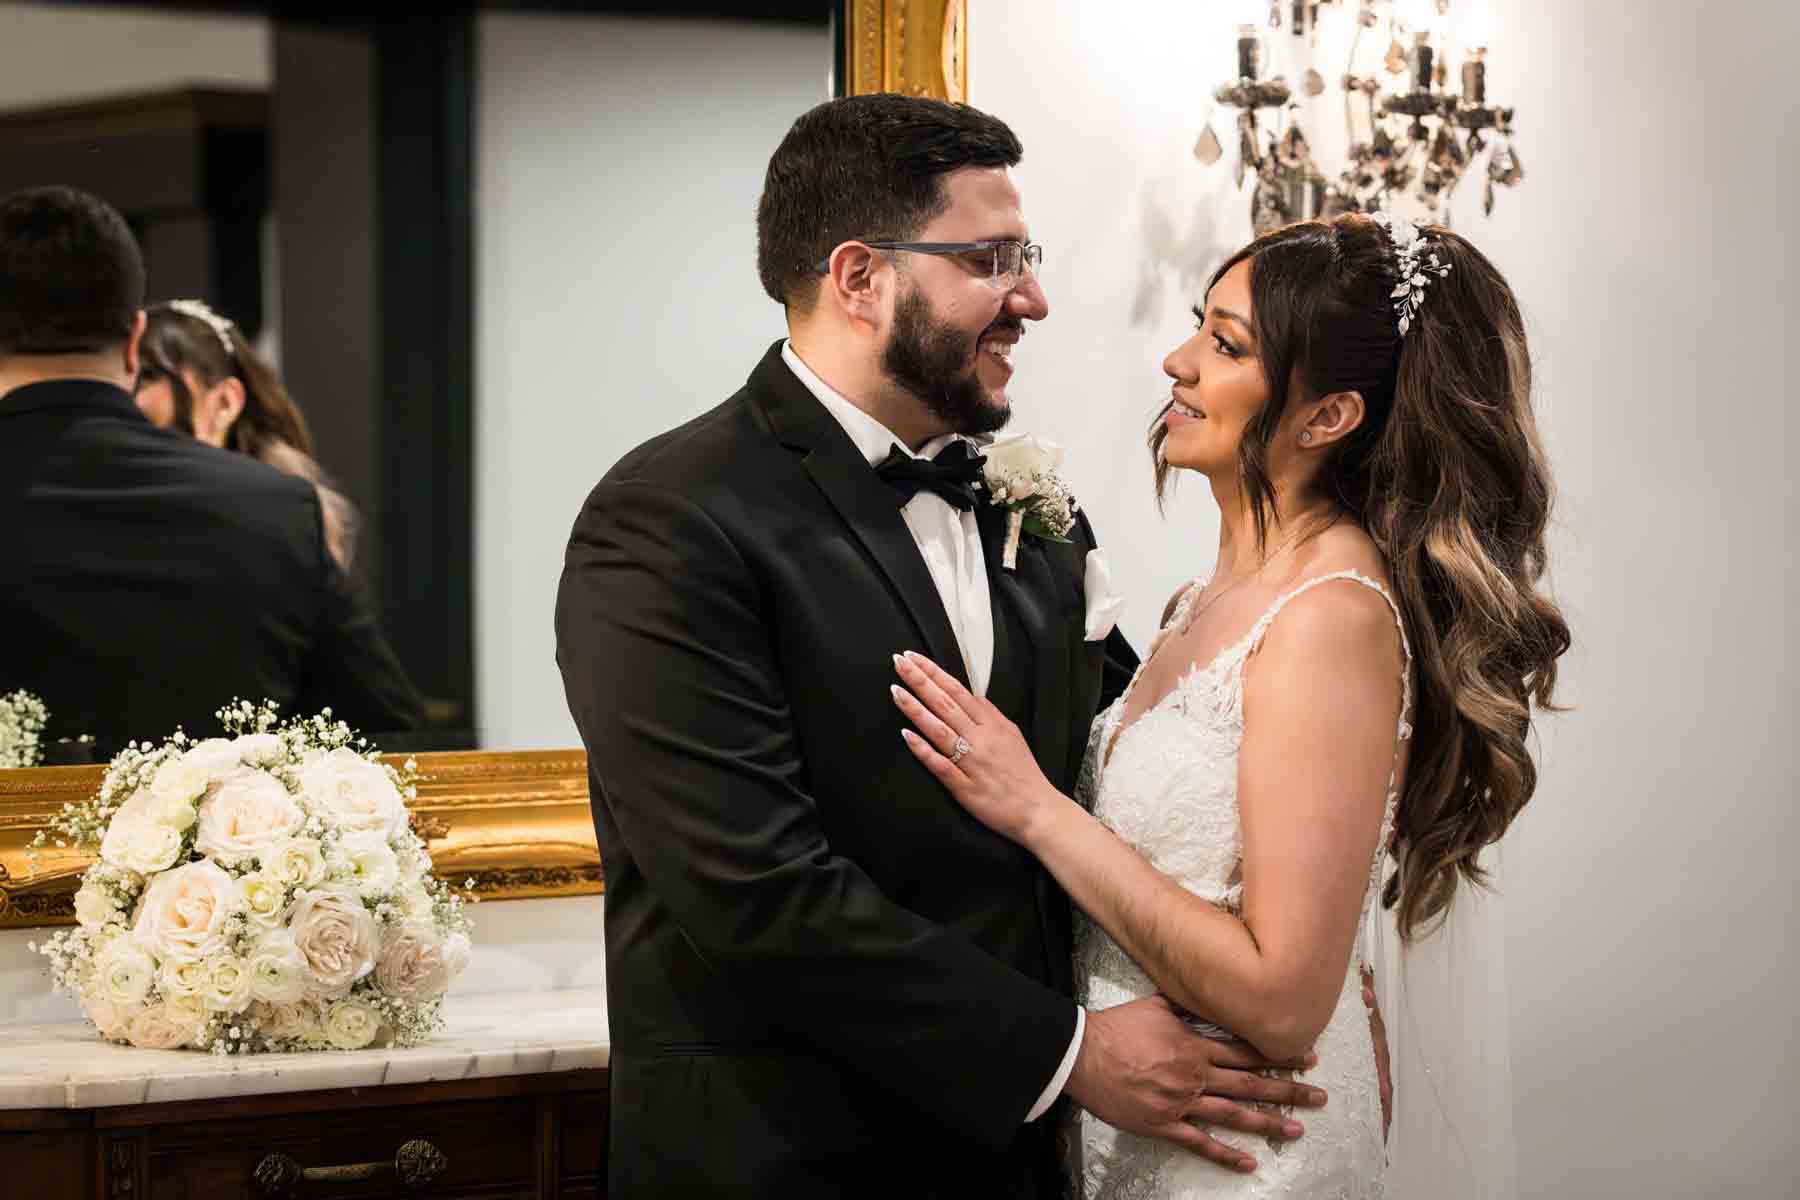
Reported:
(1019, 473)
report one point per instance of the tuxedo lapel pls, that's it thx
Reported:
(1034, 591)
(866, 504)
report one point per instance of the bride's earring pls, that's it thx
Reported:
(1306, 437)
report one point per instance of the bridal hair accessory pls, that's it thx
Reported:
(1418, 263)
(202, 312)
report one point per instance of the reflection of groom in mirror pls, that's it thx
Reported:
(147, 579)
(824, 978)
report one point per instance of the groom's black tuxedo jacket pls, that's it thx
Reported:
(147, 579)
(823, 977)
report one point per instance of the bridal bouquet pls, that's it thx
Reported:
(22, 719)
(261, 892)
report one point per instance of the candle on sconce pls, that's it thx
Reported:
(1420, 60)
(1249, 49)
(1474, 76)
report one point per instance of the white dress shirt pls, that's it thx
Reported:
(950, 543)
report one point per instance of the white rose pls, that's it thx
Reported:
(277, 970)
(110, 1018)
(215, 758)
(183, 912)
(1019, 456)
(414, 901)
(180, 779)
(296, 862)
(263, 898)
(413, 965)
(352, 1024)
(184, 980)
(124, 972)
(136, 841)
(95, 905)
(176, 813)
(352, 793)
(228, 984)
(299, 1021)
(338, 937)
(370, 863)
(260, 749)
(161, 1027)
(246, 815)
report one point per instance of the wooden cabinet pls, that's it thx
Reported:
(521, 1136)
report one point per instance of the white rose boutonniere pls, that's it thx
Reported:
(1019, 473)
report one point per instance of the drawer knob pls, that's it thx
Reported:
(415, 1165)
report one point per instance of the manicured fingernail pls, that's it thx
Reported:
(1316, 1095)
(895, 691)
(907, 736)
(1246, 1164)
(898, 661)
(1291, 1129)
(913, 655)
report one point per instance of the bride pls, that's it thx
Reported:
(1357, 674)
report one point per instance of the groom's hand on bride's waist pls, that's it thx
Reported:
(1142, 1070)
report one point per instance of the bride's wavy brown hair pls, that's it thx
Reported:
(1448, 475)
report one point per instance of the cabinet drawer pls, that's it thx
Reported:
(488, 1146)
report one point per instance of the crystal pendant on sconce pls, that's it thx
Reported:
(1313, 83)
(1248, 157)
(1487, 198)
(1504, 167)
(1207, 149)
(1292, 150)
(1447, 152)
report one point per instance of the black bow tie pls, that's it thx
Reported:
(951, 475)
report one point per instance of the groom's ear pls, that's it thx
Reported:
(857, 279)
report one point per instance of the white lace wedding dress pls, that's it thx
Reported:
(1168, 787)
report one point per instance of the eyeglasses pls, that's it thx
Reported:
(994, 259)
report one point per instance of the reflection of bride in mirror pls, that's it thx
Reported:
(201, 375)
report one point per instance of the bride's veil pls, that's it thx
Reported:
(1445, 1004)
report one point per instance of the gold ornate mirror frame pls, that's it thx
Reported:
(919, 47)
(516, 822)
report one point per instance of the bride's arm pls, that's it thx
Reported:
(1322, 703)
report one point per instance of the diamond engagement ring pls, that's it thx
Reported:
(961, 748)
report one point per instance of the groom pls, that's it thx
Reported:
(824, 978)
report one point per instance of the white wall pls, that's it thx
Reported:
(56, 54)
(619, 162)
(1651, 894)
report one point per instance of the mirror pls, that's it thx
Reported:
(488, 252)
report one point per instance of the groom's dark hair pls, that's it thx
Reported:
(71, 274)
(864, 168)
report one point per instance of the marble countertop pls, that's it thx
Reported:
(66, 1065)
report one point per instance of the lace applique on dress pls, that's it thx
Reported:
(1167, 785)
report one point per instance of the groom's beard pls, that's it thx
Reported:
(936, 363)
